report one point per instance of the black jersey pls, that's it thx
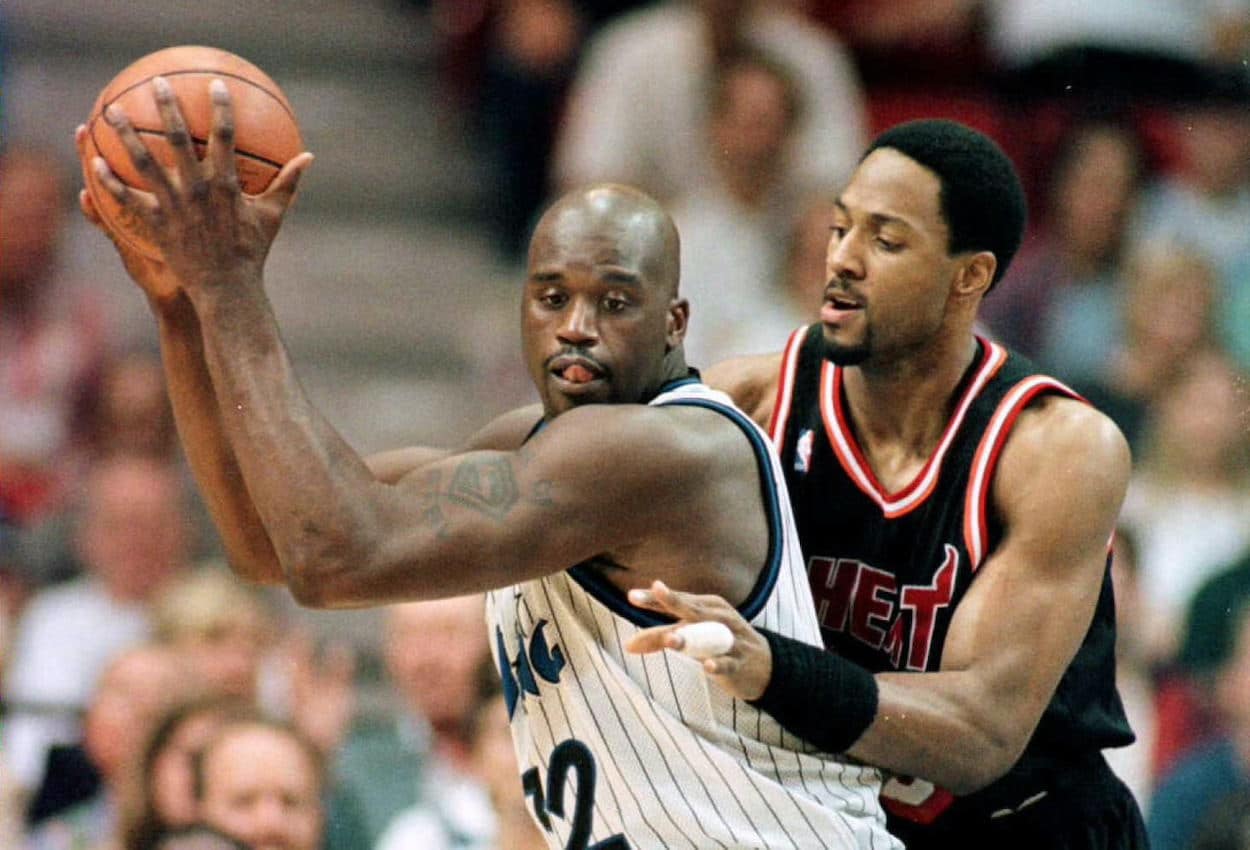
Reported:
(887, 570)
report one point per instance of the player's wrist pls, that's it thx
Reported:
(817, 695)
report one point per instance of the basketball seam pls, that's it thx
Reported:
(144, 131)
(212, 73)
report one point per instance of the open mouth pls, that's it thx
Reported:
(576, 370)
(842, 302)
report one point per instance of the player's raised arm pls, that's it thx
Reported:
(209, 454)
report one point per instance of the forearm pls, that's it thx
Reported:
(930, 725)
(940, 727)
(307, 484)
(212, 461)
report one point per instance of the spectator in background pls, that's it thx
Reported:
(494, 761)
(1192, 791)
(639, 105)
(219, 627)
(1167, 316)
(433, 651)
(132, 414)
(1206, 203)
(224, 634)
(733, 227)
(1058, 304)
(132, 539)
(1188, 504)
(164, 798)
(52, 342)
(261, 783)
(129, 414)
(131, 695)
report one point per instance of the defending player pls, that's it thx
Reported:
(631, 470)
(955, 510)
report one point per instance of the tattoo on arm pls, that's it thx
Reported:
(429, 512)
(486, 486)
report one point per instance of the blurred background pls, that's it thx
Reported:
(441, 128)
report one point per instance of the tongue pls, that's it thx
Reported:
(578, 374)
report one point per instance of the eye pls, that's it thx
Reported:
(614, 303)
(552, 298)
(888, 245)
(838, 231)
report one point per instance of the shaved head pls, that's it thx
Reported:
(616, 215)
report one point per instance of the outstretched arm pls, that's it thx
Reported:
(1058, 490)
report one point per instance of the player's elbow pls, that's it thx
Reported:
(988, 765)
(992, 755)
(321, 571)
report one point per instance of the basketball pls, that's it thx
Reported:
(266, 134)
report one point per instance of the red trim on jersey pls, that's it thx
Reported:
(852, 458)
(780, 417)
(976, 527)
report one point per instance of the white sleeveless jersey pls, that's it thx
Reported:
(624, 751)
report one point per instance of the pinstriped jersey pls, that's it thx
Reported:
(887, 569)
(625, 751)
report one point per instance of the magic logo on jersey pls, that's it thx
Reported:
(869, 604)
(538, 658)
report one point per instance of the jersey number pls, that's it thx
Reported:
(571, 756)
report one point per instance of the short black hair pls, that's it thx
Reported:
(980, 196)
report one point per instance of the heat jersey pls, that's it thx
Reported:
(624, 751)
(887, 570)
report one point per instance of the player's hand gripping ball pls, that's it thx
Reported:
(266, 135)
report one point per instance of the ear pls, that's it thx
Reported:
(676, 322)
(975, 274)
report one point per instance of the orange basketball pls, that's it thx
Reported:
(266, 135)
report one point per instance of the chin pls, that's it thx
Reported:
(841, 354)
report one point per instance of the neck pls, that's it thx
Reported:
(907, 402)
(673, 369)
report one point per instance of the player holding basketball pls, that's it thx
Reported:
(629, 470)
(955, 510)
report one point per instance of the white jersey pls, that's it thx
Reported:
(625, 751)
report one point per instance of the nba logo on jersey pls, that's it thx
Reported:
(803, 451)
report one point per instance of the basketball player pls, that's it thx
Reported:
(629, 470)
(955, 509)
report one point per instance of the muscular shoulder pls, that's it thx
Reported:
(661, 442)
(1063, 452)
(750, 381)
(507, 431)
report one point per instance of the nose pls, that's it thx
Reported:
(843, 258)
(578, 325)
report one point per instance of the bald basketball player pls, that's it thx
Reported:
(629, 470)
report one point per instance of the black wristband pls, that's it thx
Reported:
(818, 695)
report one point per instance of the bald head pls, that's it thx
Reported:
(618, 218)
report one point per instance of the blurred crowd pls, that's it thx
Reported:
(151, 700)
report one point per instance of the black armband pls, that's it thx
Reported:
(818, 695)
